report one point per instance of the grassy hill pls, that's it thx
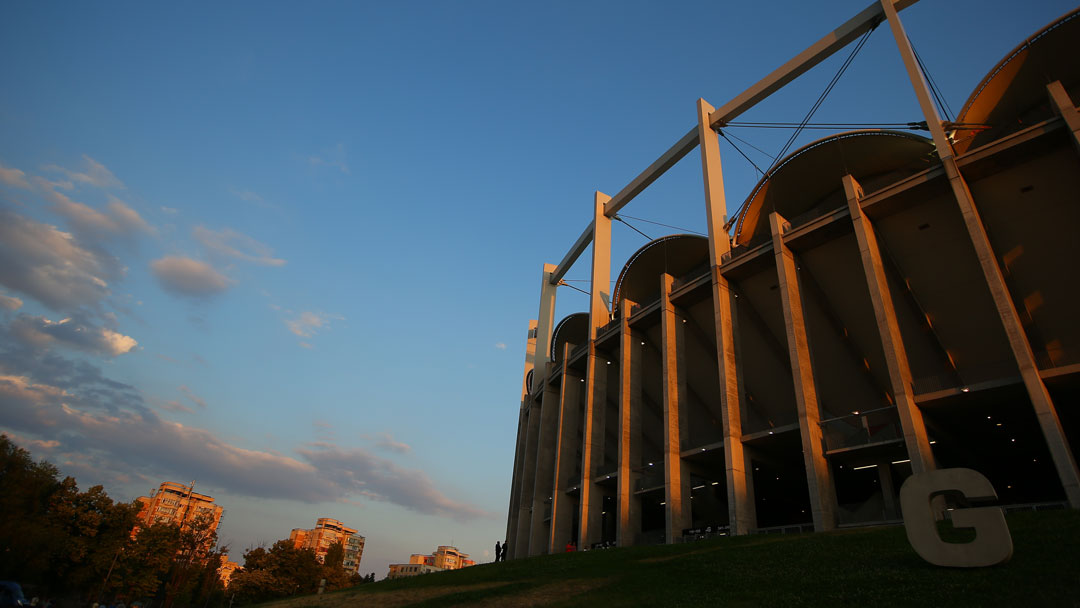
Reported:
(862, 567)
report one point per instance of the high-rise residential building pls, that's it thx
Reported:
(325, 534)
(444, 558)
(880, 305)
(178, 504)
(227, 569)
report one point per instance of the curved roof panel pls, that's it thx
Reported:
(676, 255)
(1013, 95)
(807, 183)
(574, 329)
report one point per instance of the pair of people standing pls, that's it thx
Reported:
(501, 551)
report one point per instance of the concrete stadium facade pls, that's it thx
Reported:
(883, 304)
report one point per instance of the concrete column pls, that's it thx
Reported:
(530, 359)
(544, 478)
(545, 325)
(712, 173)
(520, 546)
(892, 344)
(628, 523)
(741, 513)
(592, 453)
(515, 485)
(1041, 402)
(596, 380)
(600, 292)
(1018, 342)
(677, 513)
(1059, 100)
(562, 513)
(818, 476)
(888, 491)
(519, 445)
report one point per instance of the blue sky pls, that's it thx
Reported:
(290, 250)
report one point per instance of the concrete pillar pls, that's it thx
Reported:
(515, 484)
(1059, 100)
(541, 355)
(628, 507)
(818, 475)
(545, 325)
(544, 478)
(1041, 402)
(888, 490)
(1014, 330)
(677, 513)
(566, 437)
(892, 344)
(742, 516)
(592, 451)
(530, 359)
(520, 546)
(600, 292)
(519, 445)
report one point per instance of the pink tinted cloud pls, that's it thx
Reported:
(138, 442)
(188, 277)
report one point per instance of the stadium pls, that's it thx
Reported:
(882, 304)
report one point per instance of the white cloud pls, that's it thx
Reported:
(176, 406)
(50, 265)
(41, 332)
(357, 471)
(230, 243)
(94, 174)
(125, 217)
(36, 445)
(188, 277)
(169, 210)
(246, 195)
(118, 219)
(500, 345)
(333, 157)
(138, 442)
(387, 442)
(14, 178)
(309, 323)
(197, 400)
(9, 302)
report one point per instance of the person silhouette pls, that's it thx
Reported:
(498, 550)
(506, 549)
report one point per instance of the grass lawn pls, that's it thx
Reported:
(861, 567)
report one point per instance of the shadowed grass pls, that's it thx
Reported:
(863, 567)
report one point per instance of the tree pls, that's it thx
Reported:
(80, 544)
(194, 551)
(146, 561)
(54, 536)
(26, 489)
(94, 531)
(333, 569)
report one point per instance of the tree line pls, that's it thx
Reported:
(77, 548)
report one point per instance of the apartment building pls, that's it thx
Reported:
(178, 504)
(326, 533)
